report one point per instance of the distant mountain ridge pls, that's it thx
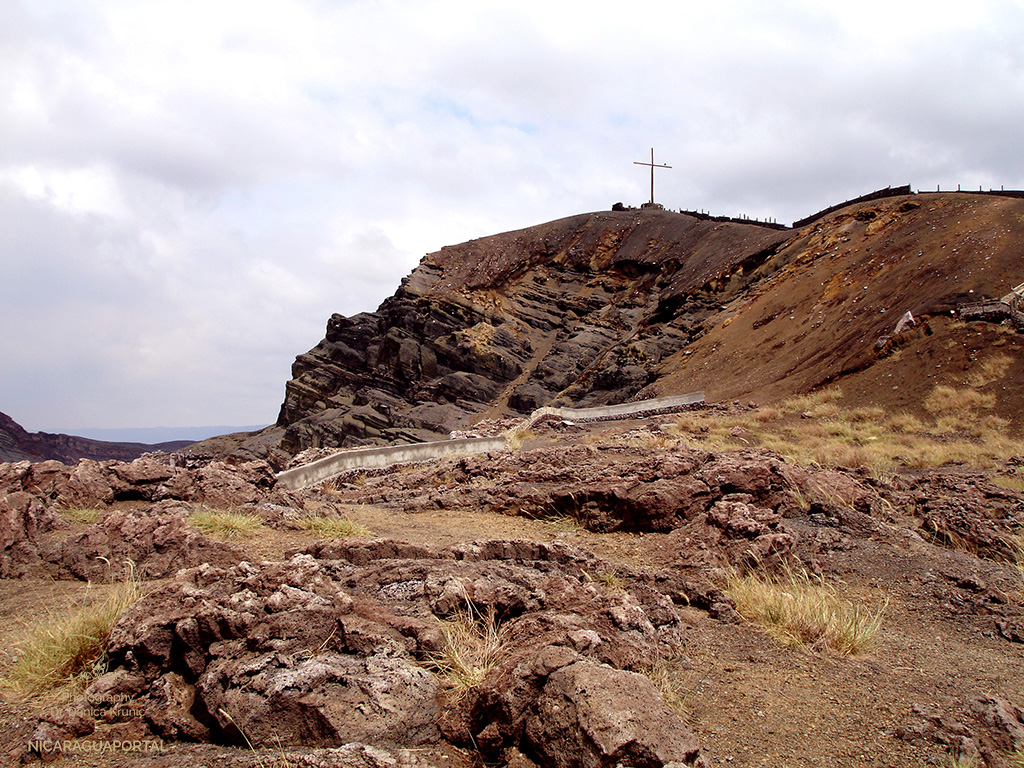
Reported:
(17, 444)
(154, 435)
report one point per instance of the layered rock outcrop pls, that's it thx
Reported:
(579, 310)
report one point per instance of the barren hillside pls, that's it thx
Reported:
(814, 312)
(605, 307)
(16, 444)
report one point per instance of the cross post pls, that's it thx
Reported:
(653, 165)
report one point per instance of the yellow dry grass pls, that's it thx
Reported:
(800, 609)
(668, 677)
(992, 369)
(65, 651)
(815, 430)
(473, 643)
(1017, 547)
(224, 523)
(81, 515)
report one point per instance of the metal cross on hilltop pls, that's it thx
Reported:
(653, 166)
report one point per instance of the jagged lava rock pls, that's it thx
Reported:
(157, 540)
(327, 651)
(22, 519)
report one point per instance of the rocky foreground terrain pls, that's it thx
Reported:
(592, 564)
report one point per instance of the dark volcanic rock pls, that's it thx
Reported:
(322, 700)
(91, 484)
(966, 509)
(735, 501)
(581, 309)
(156, 540)
(985, 728)
(22, 520)
(573, 726)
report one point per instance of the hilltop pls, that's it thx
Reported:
(609, 306)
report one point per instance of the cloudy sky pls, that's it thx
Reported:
(188, 189)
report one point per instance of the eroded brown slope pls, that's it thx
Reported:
(815, 311)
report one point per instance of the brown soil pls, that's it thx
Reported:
(813, 313)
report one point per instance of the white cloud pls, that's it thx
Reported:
(189, 189)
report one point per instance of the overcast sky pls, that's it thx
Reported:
(188, 189)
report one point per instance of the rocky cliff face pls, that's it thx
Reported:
(604, 307)
(580, 310)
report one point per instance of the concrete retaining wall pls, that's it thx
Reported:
(366, 458)
(619, 410)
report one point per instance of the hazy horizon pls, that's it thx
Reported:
(153, 435)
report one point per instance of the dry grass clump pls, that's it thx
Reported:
(800, 609)
(333, 527)
(80, 515)
(990, 370)
(820, 404)
(1011, 482)
(956, 410)
(668, 678)
(608, 581)
(473, 643)
(515, 438)
(815, 430)
(562, 522)
(65, 651)
(1017, 547)
(658, 442)
(224, 523)
(904, 423)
